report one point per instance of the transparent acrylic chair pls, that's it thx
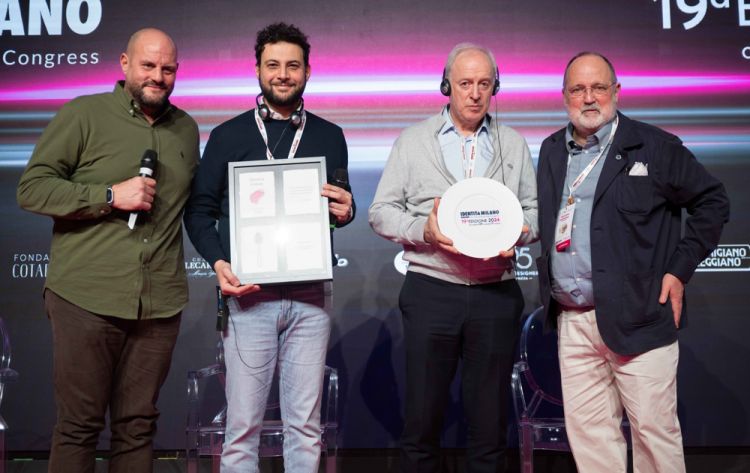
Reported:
(537, 392)
(207, 411)
(7, 375)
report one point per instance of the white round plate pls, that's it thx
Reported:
(481, 216)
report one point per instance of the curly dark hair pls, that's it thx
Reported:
(278, 32)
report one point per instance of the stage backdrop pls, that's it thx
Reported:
(376, 67)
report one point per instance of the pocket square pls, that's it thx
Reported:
(639, 169)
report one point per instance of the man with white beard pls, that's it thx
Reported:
(613, 267)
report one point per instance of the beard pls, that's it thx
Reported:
(591, 123)
(291, 99)
(157, 102)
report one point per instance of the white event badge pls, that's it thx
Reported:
(481, 216)
(563, 230)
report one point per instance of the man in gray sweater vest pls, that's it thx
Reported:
(455, 307)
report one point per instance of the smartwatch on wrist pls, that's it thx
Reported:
(110, 196)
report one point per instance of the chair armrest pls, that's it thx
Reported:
(519, 397)
(193, 390)
(330, 410)
(5, 349)
(8, 375)
(211, 370)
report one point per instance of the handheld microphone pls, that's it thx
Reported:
(222, 311)
(148, 166)
(340, 179)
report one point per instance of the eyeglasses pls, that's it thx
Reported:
(598, 90)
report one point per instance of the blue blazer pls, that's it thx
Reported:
(635, 230)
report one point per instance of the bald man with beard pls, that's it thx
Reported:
(114, 292)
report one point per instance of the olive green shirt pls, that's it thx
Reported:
(96, 261)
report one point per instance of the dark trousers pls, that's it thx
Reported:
(102, 362)
(445, 323)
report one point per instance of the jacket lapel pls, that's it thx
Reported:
(616, 156)
(437, 153)
(558, 167)
(497, 150)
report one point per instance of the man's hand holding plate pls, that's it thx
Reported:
(433, 235)
(512, 252)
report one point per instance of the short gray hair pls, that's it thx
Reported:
(463, 47)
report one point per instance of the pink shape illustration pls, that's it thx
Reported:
(255, 196)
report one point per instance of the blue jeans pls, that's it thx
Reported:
(286, 326)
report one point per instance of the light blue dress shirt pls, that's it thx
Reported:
(450, 145)
(571, 269)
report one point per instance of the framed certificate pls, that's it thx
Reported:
(278, 222)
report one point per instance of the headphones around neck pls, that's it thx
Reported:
(266, 113)
(445, 84)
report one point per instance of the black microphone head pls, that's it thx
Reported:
(148, 163)
(149, 159)
(341, 179)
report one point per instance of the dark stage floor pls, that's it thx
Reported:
(699, 460)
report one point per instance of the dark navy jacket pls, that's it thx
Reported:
(635, 230)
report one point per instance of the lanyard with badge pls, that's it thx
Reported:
(295, 141)
(564, 228)
(469, 163)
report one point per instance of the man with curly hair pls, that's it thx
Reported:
(284, 327)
